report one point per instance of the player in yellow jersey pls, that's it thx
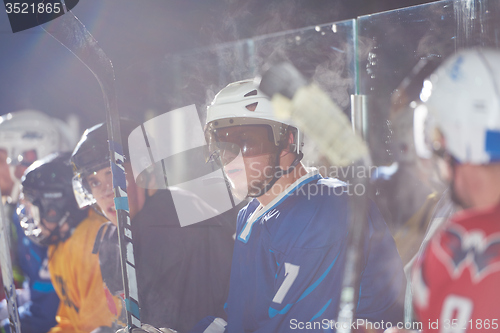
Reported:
(52, 217)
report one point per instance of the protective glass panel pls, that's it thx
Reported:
(390, 45)
(180, 87)
(323, 53)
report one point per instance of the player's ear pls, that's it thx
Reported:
(290, 138)
(288, 145)
(290, 141)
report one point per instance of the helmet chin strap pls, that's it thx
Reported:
(55, 233)
(278, 173)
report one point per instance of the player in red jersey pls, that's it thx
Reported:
(455, 281)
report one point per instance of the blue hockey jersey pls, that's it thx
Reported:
(39, 314)
(289, 257)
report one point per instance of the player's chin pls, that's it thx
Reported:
(111, 214)
(256, 187)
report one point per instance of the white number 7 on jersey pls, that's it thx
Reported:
(291, 272)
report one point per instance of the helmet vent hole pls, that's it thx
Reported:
(251, 93)
(252, 107)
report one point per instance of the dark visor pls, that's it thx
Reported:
(251, 140)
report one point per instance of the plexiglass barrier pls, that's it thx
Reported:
(410, 194)
(370, 57)
(391, 43)
(323, 53)
(389, 46)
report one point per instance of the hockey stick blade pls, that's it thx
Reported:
(71, 33)
(324, 121)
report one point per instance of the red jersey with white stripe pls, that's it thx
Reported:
(456, 283)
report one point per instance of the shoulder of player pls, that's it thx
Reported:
(247, 209)
(326, 212)
(324, 196)
(324, 228)
(322, 189)
(319, 192)
(316, 221)
(332, 182)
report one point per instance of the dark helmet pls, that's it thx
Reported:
(92, 151)
(91, 154)
(48, 200)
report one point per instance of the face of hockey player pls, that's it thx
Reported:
(48, 228)
(101, 185)
(44, 221)
(6, 182)
(248, 175)
(452, 172)
(21, 164)
(248, 154)
(24, 161)
(461, 183)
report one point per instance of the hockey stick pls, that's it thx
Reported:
(7, 277)
(326, 124)
(70, 32)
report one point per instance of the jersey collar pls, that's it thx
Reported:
(312, 174)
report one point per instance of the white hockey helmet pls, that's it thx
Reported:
(243, 104)
(29, 135)
(463, 98)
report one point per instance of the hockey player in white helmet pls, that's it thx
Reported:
(291, 239)
(240, 120)
(26, 136)
(455, 281)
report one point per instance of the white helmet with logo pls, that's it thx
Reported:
(241, 99)
(29, 135)
(463, 97)
(242, 103)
